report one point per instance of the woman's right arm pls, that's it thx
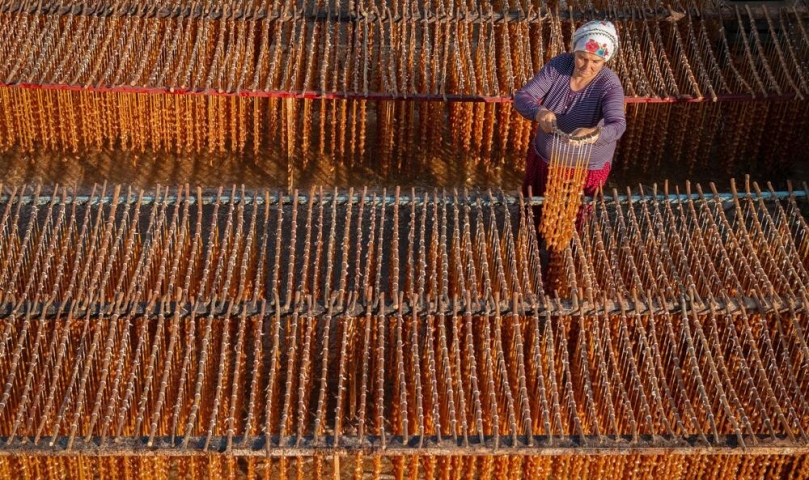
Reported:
(528, 100)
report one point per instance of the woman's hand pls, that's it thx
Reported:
(547, 120)
(584, 136)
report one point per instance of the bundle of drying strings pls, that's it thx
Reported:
(567, 172)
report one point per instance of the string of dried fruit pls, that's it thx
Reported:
(324, 52)
(522, 53)
(696, 55)
(489, 124)
(503, 114)
(479, 66)
(369, 47)
(624, 152)
(654, 72)
(385, 124)
(215, 72)
(23, 112)
(749, 67)
(388, 63)
(294, 72)
(7, 130)
(31, 74)
(640, 83)
(274, 124)
(490, 53)
(508, 81)
(351, 120)
(527, 134)
(172, 120)
(363, 122)
(8, 23)
(242, 104)
(468, 59)
(170, 60)
(125, 57)
(184, 127)
(478, 111)
(786, 25)
(306, 131)
(123, 115)
(72, 51)
(624, 73)
(556, 43)
(785, 73)
(84, 127)
(188, 45)
(348, 113)
(344, 127)
(70, 124)
(567, 172)
(672, 86)
(706, 50)
(155, 29)
(217, 124)
(26, 51)
(262, 61)
(274, 78)
(409, 80)
(237, 67)
(46, 118)
(687, 76)
(773, 83)
(456, 122)
(92, 120)
(161, 116)
(292, 140)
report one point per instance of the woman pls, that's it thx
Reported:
(577, 94)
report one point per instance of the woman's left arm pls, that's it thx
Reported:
(612, 107)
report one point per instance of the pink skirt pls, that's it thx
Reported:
(536, 176)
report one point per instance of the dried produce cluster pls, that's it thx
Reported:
(361, 466)
(190, 333)
(409, 324)
(427, 52)
(326, 83)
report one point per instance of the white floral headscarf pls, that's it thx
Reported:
(598, 37)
